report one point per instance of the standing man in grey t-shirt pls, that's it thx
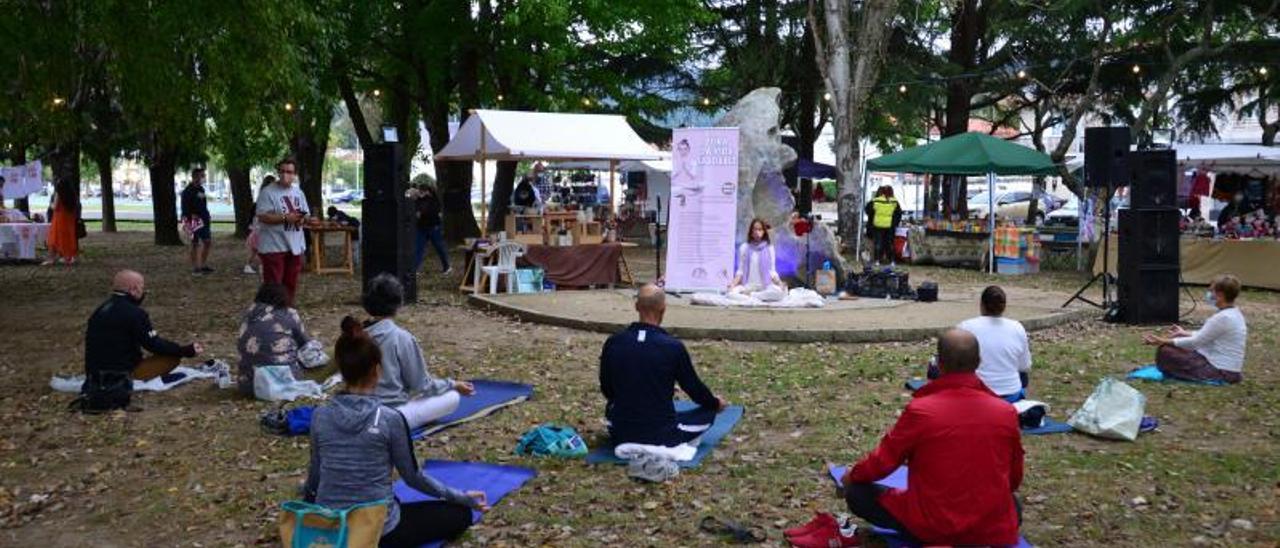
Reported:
(281, 210)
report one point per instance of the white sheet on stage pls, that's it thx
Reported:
(796, 298)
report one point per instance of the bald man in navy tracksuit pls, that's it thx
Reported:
(639, 368)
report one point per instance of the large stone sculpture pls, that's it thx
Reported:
(762, 189)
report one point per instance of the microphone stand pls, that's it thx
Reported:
(657, 236)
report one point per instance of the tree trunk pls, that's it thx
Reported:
(849, 88)
(309, 144)
(108, 192)
(504, 183)
(454, 180)
(164, 200)
(967, 28)
(1269, 134)
(241, 198)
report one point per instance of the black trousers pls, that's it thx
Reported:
(427, 521)
(864, 501)
(882, 239)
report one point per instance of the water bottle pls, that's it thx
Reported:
(826, 265)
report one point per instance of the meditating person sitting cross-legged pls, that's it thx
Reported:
(356, 441)
(639, 368)
(405, 382)
(1006, 354)
(964, 449)
(1215, 352)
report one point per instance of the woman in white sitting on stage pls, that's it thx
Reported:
(757, 275)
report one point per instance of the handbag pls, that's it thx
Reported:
(81, 230)
(552, 440)
(307, 525)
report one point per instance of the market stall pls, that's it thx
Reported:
(965, 154)
(549, 232)
(1253, 261)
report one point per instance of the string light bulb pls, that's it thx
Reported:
(1262, 71)
(500, 97)
(1137, 69)
(826, 96)
(58, 101)
(377, 93)
(706, 102)
(902, 88)
(288, 107)
(586, 102)
(1022, 75)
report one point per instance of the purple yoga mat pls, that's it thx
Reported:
(896, 480)
(495, 480)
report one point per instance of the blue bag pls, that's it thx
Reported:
(307, 525)
(552, 440)
(299, 419)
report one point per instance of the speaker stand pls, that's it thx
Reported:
(1108, 281)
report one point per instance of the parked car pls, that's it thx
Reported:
(342, 197)
(1013, 205)
(1066, 216)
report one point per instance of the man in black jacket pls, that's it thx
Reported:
(117, 332)
(195, 214)
(639, 368)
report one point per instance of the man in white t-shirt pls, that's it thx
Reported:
(282, 210)
(1003, 345)
(1215, 352)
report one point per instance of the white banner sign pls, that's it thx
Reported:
(19, 181)
(703, 210)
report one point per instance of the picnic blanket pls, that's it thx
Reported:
(724, 422)
(896, 480)
(496, 480)
(795, 298)
(179, 376)
(490, 396)
(1154, 374)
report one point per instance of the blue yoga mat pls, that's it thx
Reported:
(719, 429)
(490, 396)
(494, 479)
(896, 480)
(1049, 426)
(1154, 374)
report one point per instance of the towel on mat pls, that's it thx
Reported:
(680, 453)
(179, 376)
(795, 298)
(896, 480)
(1154, 374)
(490, 396)
(497, 481)
(724, 422)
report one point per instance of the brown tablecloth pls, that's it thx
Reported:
(576, 266)
(1255, 262)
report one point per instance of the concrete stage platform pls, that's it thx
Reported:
(861, 320)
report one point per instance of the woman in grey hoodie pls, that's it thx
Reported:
(405, 382)
(356, 441)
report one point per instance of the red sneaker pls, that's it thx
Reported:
(829, 537)
(820, 520)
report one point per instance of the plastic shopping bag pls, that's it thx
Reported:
(1113, 411)
(276, 383)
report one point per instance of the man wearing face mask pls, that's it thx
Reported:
(1215, 352)
(117, 332)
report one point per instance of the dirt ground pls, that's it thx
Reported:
(194, 469)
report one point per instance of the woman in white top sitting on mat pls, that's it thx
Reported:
(757, 274)
(1215, 352)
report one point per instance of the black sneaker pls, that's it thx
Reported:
(206, 270)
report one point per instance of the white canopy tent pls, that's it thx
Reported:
(1221, 158)
(515, 135)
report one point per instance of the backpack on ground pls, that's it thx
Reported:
(552, 440)
(306, 525)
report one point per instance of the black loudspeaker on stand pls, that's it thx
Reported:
(1150, 262)
(1106, 157)
(388, 219)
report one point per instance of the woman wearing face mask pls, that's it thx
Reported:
(757, 275)
(1215, 352)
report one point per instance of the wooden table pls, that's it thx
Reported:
(318, 233)
(480, 256)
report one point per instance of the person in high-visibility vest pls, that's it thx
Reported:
(883, 216)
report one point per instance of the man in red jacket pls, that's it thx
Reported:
(964, 449)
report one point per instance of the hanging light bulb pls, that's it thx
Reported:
(377, 93)
(1137, 69)
(1022, 75)
(902, 88)
(288, 107)
(706, 102)
(1262, 71)
(826, 96)
(586, 102)
(58, 101)
(500, 97)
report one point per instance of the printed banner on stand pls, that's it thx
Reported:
(20, 181)
(703, 212)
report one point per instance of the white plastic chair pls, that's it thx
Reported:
(508, 251)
